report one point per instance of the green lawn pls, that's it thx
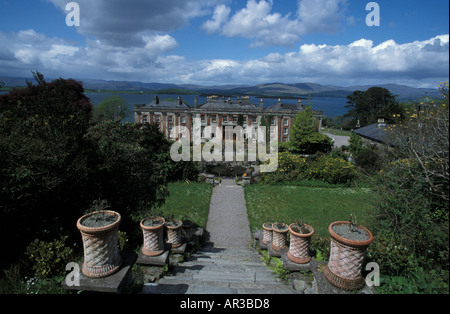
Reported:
(336, 131)
(317, 207)
(188, 201)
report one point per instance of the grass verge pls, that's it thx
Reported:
(317, 207)
(188, 201)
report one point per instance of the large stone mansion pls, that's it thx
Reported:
(219, 112)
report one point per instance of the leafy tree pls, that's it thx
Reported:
(413, 187)
(305, 139)
(126, 169)
(356, 143)
(265, 122)
(43, 159)
(54, 163)
(112, 108)
(240, 120)
(371, 105)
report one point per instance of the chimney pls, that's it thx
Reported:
(300, 104)
(195, 102)
(157, 100)
(261, 104)
(180, 102)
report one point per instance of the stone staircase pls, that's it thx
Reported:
(221, 271)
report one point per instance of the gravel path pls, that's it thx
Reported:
(339, 140)
(228, 224)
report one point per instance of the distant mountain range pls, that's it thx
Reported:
(282, 90)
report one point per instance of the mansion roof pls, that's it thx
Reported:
(221, 104)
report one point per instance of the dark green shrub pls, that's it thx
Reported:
(320, 248)
(49, 259)
(305, 139)
(43, 161)
(332, 170)
(129, 170)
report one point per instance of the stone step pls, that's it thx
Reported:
(221, 271)
(212, 288)
(219, 276)
(235, 268)
(221, 262)
(228, 255)
(221, 282)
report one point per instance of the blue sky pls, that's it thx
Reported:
(216, 42)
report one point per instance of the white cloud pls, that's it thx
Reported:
(256, 21)
(126, 23)
(418, 63)
(56, 57)
(321, 16)
(220, 16)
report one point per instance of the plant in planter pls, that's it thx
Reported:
(174, 235)
(99, 230)
(300, 235)
(267, 233)
(279, 236)
(153, 232)
(349, 242)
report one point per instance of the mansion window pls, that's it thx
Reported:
(170, 119)
(203, 132)
(158, 119)
(214, 119)
(273, 122)
(235, 119)
(183, 120)
(286, 122)
(144, 119)
(285, 131)
(203, 118)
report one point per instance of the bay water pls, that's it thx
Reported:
(330, 106)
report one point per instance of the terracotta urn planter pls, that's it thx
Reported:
(174, 235)
(153, 232)
(267, 233)
(187, 230)
(344, 269)
(99, 231)
(279, 236)
(299, 243)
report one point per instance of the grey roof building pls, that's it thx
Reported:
(219, 112)
(379, 133)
